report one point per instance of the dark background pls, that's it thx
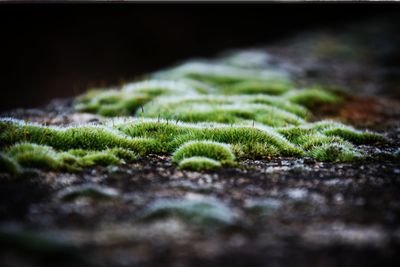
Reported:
(54, 51)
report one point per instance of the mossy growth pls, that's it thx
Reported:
(268, 110)
(121, 140)
(131, 97)
(87, 137)
(29, 155)
(213, 150)
(199, 164)
(9, 165)
(335, 152)
(201, 212)
(171, 136)
(312, 97)
(255, 111)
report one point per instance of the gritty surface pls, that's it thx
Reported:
(288, 211)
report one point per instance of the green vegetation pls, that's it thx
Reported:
(29, 155)
(334, 152)
(8, 164)
(311, 97)
(198, 164)
(131, 97)
(201, 155)
(214, 150)
(205, 114)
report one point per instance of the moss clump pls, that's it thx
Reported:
(131, 97)
(268, 111)
(204, 212)
(312, 97)
(170, 135)
(29, 155)
(332, 129)
(209, 149)
(8, 164)
(335, 152)
(186, 111)
(120, 140)
(35, 156)
(199, 163)
(88, 137)
(176, 107)
(272, 87)
(218, 73)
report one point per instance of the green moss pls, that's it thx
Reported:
(131, 97)
(207, 212)
(272, 87)
(35, 156)
(332, 129)
(335, 152)
(354, 136)
(199, 163)
(9, 165)
(209, 149)
(88, 137)
(254, 110)
(171, 135)
(312, 97)
(31, 155)
(267, 109)
(219, 74)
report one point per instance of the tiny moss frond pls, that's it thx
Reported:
(209, 149)
(199, 163)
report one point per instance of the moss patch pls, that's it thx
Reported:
(186, 111)
(198, 164)
(29, 155)
(205, 212)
